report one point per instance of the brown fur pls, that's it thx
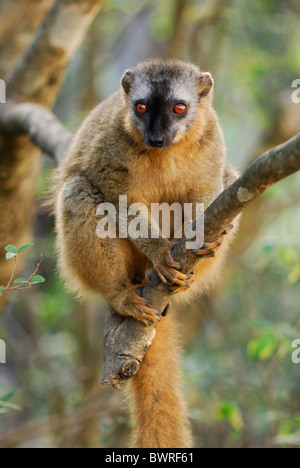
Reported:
(108, 158)
(161, 418)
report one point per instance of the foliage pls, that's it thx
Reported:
(21, 283)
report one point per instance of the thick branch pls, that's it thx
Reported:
(11, 13)
(41, 125)
(17, 34)
(40, 72)
(268, 169)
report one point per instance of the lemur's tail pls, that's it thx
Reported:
(159, 410)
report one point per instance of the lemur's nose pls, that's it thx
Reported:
(156, 142)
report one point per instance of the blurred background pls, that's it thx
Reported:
(240, 383)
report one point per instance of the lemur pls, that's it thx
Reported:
(156, 140)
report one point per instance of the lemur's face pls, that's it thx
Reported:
(164, 101)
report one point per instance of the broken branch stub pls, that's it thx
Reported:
(125, 344)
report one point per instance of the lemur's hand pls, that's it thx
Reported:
(211, 249)
(129, 304)
(168, 270)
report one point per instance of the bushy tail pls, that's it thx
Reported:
(159, 412)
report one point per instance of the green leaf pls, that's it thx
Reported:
(9, 395)
(10, 255)
(37, 279)
(230, 411)
(24, 247)
(21, 280)
(11, 249)
(264, 346)
(1, 288)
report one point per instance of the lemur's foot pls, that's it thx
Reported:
(168, 271)
(211, 249)
(129, 304)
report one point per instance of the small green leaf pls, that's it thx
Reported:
(21, 280)
(37, 279)
(24, 247)
(9, 395)
(11, 249)
(1, 288)
(264, 346)
(10, 255)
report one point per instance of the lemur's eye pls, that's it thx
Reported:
(141, 108)
(180, 109)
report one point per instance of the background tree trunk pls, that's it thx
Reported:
(37, 77)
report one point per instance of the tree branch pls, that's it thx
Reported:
(268, 169)
(17, 34)
(40, 124)
(39, 74)
(11, 13)
(127, 340)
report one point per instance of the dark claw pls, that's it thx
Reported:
(166, 311)
(210, 255)
(228, 229)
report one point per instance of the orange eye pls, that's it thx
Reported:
(141, 108)
(180, 109)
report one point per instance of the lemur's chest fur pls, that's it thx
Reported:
(169, 176)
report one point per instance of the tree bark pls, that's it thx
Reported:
(12, 12)
(127, 340)
(17, 34)
(39, 75)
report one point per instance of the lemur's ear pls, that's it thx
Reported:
(127, 80)
(206, 84)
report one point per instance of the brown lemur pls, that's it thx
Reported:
(156, 140)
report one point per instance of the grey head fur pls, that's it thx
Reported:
(160, 85)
